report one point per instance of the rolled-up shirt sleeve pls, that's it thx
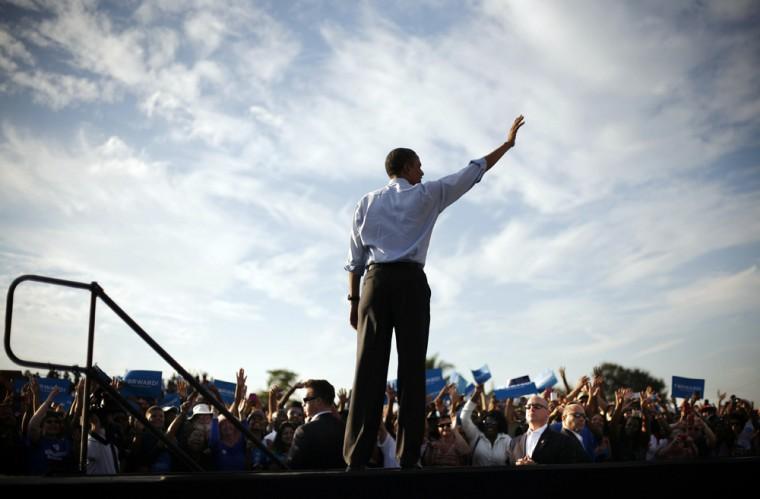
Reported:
(357, 252)
(448, 189)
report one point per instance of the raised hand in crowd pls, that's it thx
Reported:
(342, 399)
(274, 396)
(284, 399)
(582, 382)
(241, 389)
(438, 401)
(455, 398)
(214, 391)
(35, 389)
(492, 402)
(563, 376)
(34, 424)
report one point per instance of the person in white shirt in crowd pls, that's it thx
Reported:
(490, 447)
(102, 455)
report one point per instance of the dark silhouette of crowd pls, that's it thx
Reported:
(577, 424)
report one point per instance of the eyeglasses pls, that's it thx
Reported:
(306, 400)
(535, 406)
(578, 415)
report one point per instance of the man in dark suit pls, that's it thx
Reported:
(573, 423)
(539, 445)
(318, 444)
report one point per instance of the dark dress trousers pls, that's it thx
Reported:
(395, 295)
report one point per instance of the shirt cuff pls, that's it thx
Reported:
(355, 269)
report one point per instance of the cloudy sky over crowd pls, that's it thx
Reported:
(201, 160)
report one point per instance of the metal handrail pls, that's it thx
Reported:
(98, 292)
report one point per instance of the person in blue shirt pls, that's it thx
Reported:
(390, 236)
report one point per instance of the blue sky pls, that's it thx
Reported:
(201, 161)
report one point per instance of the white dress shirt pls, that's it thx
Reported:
(388, 448)
(395, 223)
(532, 440)
(483, 452)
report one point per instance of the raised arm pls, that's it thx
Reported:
(240, 391)
(494, 156)
(34, 423)
(284, 399)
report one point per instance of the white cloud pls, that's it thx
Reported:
(590, 235)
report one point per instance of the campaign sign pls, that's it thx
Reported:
(481, 375)
(519, 381)
(545, 379)
(171, 400)
(469, 390)
(459, 381)
(685, 387)
(226, 390)
(64, 390)
(433, 381)
(515, 391)
(142, 384)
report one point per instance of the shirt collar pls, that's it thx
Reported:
(314, 417)
(400, 181)
(538, 430)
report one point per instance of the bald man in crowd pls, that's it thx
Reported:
(573, 424)
(539, 445)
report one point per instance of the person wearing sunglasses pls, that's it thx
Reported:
(318, 443)
(537, 445)
(574, 426)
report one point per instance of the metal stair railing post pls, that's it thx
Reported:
(207, 395)
(89, 372)
(97, 290)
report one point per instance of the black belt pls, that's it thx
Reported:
(403, 264)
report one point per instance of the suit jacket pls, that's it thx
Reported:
(579, 453)
(552, 448)
(318, 444)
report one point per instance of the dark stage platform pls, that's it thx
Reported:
(602, 480)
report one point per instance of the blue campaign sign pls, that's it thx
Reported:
(142, 384)
(18, 384)
(170, 400)
(459, 381)
(519, 381)
(685, 387)
(515, 391)
(481, 375)
(433, 381)
(64, 386)
(226, 390)
(470, 388)
(545, 379)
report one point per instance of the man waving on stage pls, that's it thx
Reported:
(389, 238)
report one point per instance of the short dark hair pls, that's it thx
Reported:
(397, 160)
(322, 390)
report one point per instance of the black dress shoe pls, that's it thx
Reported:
(355, 468)
(415, 466)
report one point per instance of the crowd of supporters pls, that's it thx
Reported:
(39, 437)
